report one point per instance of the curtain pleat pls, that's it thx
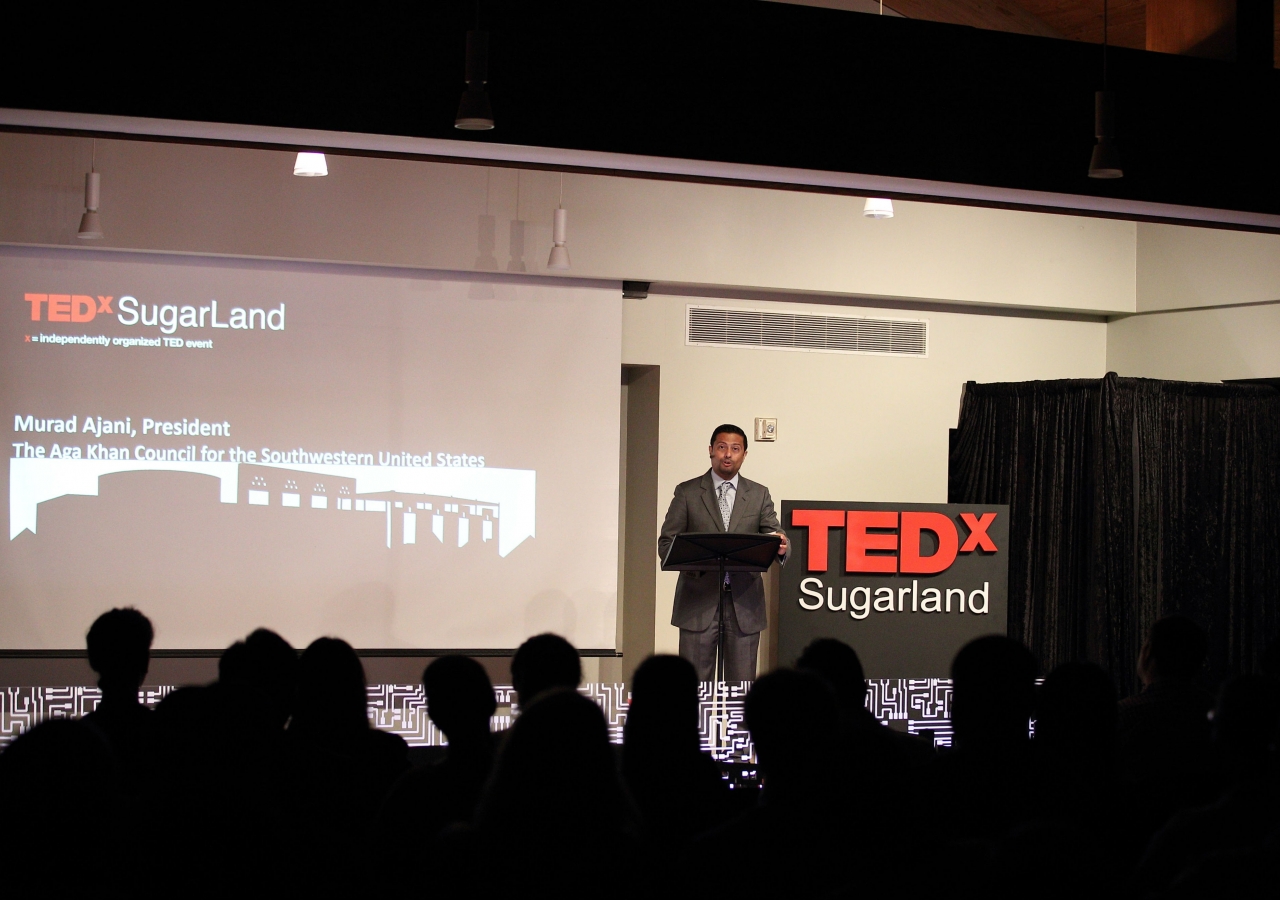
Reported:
(1130, 499)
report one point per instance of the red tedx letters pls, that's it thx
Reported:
(884, 541)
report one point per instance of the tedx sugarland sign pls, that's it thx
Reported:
(905, 584)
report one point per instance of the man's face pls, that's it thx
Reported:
(727, 454)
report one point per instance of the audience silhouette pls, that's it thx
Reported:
(1245, 721)
(119, 645)
(982, 787)
(273, 779)
(677, 788)
(337, 767)
(429, 798)
(264, 667)
(61, 822)
(554, 811)
(1163, 749)
(876, 745)
(806, 817)
(543, 663)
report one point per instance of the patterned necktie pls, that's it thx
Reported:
(725, 508)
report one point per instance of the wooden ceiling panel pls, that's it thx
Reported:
(1081, 20)
(996, 15)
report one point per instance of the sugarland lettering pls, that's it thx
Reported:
(886, 542)
(930, 600)
(169, 317)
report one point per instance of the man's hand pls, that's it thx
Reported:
(782, 548)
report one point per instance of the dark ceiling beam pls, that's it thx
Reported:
(748, 83)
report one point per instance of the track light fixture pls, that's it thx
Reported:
(310, 165)
(559, 258)
(1105, 161)
(90, 227)
(878, 208)
(474, 111)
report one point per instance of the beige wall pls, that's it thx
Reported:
(850, 426)
(1180, 267)
(246, 202)
(859, 427)
(1182, 270)
(1198, 345)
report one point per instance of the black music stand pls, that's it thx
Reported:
(722, 553)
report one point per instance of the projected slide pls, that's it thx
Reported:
(397, 460)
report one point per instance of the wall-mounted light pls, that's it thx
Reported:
(310, 165)
(878, 208)
(90, 227)
(559, 258)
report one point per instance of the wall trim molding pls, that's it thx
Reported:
(483, 152)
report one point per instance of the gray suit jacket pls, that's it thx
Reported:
(694, 508)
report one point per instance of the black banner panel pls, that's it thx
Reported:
(905, 584)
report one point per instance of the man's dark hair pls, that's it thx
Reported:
(119, 645)
(994, 688)
(331, 701)
(264, 663)
(1178, 647)
(543, 662)
(789, 716)
(729, 429)
(838, 663)
(459, 695)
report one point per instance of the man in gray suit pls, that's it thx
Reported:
(721, 500)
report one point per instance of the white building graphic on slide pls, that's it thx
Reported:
(454, 506)
(453, 521)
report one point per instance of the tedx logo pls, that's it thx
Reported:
(67, 307)
(888, 542)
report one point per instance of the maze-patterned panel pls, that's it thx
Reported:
(923, 705)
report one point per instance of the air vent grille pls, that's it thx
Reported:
(718, 325)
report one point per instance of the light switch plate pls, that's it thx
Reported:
(766, 429)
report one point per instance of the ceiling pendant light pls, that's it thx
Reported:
(559, 258)
(1105, 161)
(310, 165)
(90, 227)
(474, 111)
(878, 208)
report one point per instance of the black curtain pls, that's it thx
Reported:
(1130, 499)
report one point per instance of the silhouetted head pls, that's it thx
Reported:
(555, 781)
(1175, 651)
(544, 662)
(1245, 720)
(331, 700)
(119, 644)
(1076, 710)
(663, 714)
(792, 719)
(266, 664)
(993, 679)
(459, 697)
(838, 663)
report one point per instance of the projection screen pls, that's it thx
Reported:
(378, 455)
